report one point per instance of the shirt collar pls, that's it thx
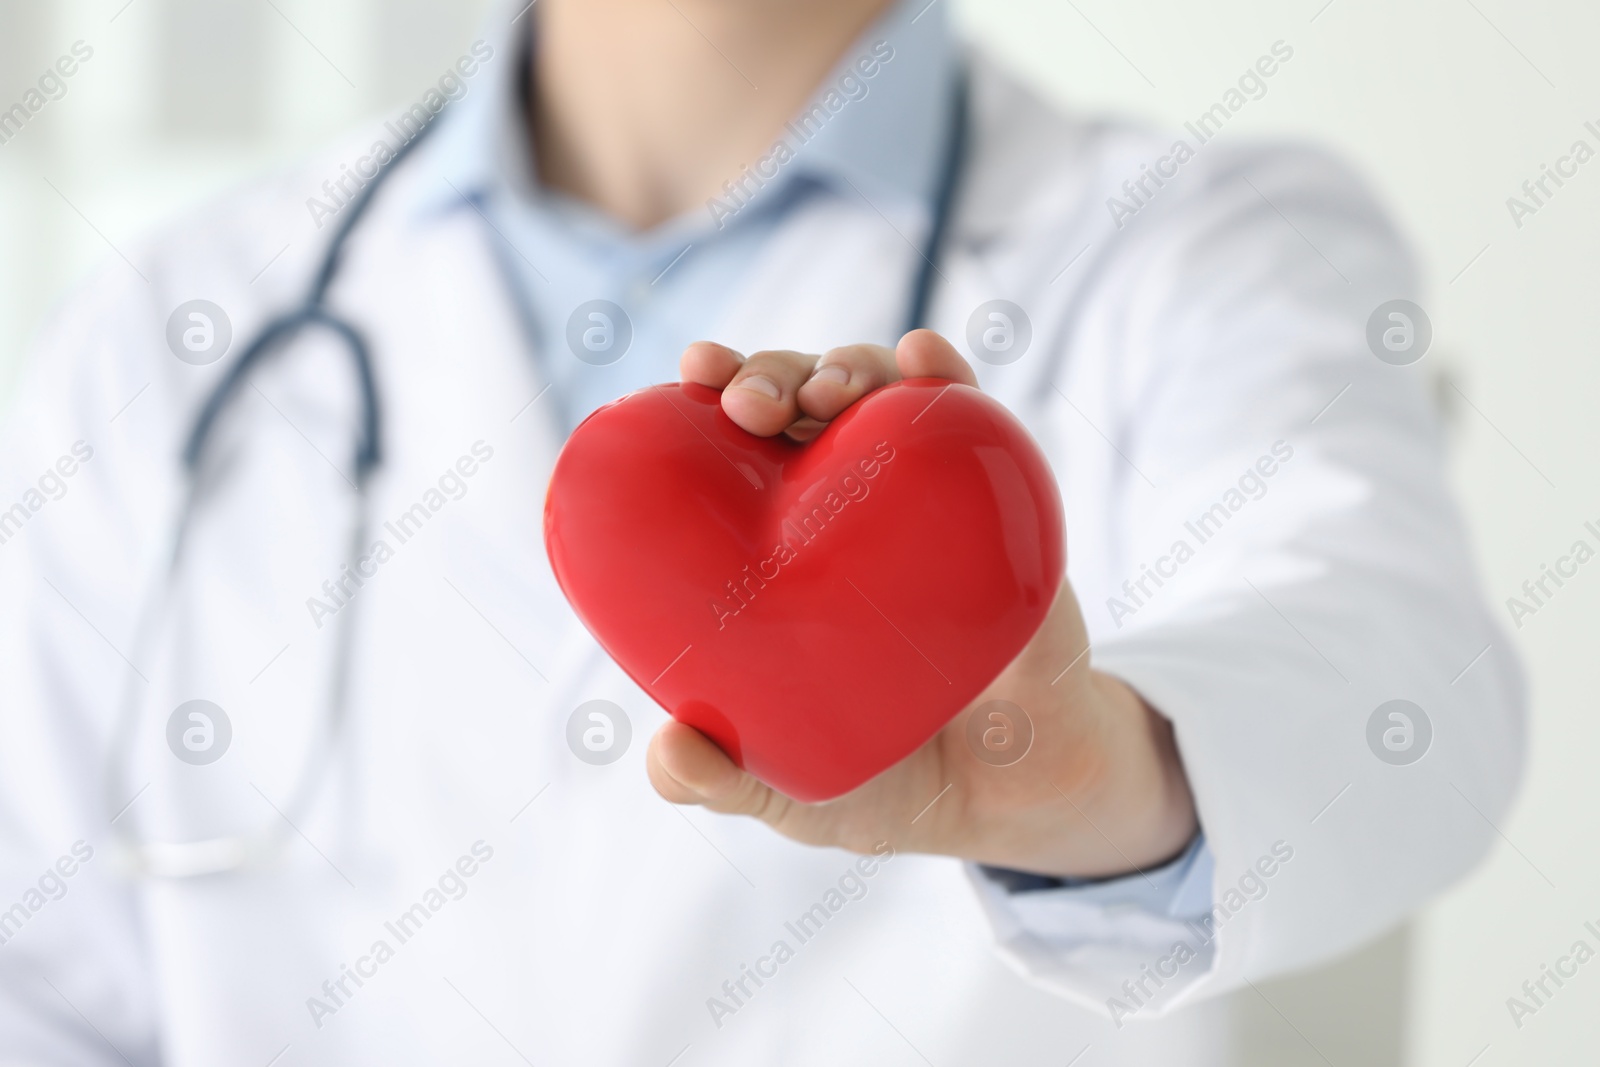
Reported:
(480, 141)
(884, 133)
(876, 127)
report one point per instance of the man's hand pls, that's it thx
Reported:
(1101, 791)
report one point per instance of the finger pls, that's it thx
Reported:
(686, 767)
(845, 375)
(762, 397)
(924, 354)
(670, 788)
(709, 363)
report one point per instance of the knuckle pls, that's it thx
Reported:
(782, 364)
(868, 365)
(861, 355)
(763, 802)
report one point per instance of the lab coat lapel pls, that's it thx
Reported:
(458, 381)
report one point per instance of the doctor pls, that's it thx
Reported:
(1263, 558)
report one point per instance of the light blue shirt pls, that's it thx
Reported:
(882, 139)
(608, 310)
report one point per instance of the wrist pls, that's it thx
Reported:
(1148, 806)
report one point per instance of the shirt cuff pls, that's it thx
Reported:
(1180, 888)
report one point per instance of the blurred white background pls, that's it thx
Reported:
(1447, 105)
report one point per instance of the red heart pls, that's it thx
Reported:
(818, 610)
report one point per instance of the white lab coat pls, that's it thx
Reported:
(1165, 361)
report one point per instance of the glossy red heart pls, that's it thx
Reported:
(818, 610)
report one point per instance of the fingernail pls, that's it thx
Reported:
(832, 373)
(765, 386)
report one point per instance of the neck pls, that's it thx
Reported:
(644, 108)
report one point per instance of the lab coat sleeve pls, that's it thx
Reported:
(1293, 560)
(75, 981)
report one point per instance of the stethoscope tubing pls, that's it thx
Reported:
(217, 855)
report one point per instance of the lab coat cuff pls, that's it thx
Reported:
(1124, 946)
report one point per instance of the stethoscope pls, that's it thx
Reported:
(238, 852)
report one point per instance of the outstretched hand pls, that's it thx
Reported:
(1102, 790)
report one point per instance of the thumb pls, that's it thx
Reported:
(686, 767)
